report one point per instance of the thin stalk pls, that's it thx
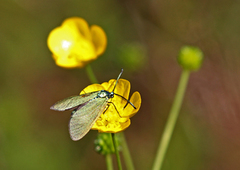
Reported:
(109, 163)
(115, 144)
(171, 122)
(93, 79)
(91, 74)
(126, 153)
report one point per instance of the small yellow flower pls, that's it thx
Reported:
(116, 117)
(75, 44)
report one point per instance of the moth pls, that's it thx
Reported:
(87, 108)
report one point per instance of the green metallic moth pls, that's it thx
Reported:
(87, 108)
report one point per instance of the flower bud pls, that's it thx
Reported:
(190, 58)
(132, 56)
(103, 144)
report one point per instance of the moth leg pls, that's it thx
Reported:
(73, 111)
(115, 108)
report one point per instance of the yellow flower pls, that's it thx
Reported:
(116, 117)
(75, 44)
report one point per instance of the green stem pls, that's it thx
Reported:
(126, 152)
(109, 162)
(115, 144)
(173, 115)
(93, 79)
(91, 74)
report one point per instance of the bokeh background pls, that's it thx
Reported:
(144, 38)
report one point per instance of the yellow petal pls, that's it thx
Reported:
(99, 39)
(84, 50)
(129, 111)
(122, 88)
(68, 62)
(79, 26)
(92, 88)
(107, 85)
(111, 128)
(60, 41)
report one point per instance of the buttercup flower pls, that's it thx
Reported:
(75, 44)
(116, 117)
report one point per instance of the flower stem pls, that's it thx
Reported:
(126, 152)
(93, 79)
(173, 115)
(109, 162)
(115, 144)
(91, 74)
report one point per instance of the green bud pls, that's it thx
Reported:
(190, 58)
(132, 56)
(104, 144)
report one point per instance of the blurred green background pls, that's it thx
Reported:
(144, 38)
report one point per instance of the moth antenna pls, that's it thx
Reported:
(127, 101)
(118, 79)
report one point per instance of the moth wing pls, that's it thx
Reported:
(73, 101)
(84, 118)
